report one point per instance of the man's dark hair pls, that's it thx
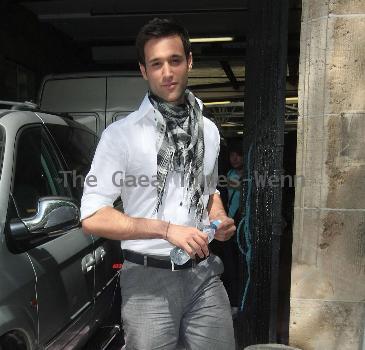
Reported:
(235, 145)
(159, 28)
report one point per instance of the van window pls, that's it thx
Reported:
(2, 147)
(37, 172)
(93, 121)
(77, 147)
(125, 93)
(74, 95)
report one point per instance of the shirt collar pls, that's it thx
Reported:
(146, 106)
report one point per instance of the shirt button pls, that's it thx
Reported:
(181, 204)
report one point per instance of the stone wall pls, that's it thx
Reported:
(328, 272)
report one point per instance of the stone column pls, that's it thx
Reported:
(328, 271)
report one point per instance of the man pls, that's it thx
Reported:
(228, 250)
(161, 159)
(234, 177)
(231, 256)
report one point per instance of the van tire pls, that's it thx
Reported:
(12, 341)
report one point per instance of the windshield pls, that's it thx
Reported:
(2, 147)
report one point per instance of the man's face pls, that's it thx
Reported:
(166, 68)
(236, 160)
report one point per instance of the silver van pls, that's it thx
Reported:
(93, 99)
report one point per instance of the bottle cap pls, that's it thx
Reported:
(215, 223)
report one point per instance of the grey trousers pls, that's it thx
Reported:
(163, 308)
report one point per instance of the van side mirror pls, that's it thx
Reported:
(54, 216)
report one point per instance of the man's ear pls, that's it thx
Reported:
(190, 61)
(143, 71)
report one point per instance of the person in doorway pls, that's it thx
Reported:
(234, 178)
(228, 250)
(162, 161)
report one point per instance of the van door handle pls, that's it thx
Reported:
(100, 254)
(87, 263)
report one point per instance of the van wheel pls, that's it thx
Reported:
(12, 341)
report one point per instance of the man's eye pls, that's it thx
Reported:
(155, 64)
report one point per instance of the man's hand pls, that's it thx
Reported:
(216, 212)
(188, 238)
(225, 230)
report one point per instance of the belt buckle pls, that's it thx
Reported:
(193, 265)
(173, 266)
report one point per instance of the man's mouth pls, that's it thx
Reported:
(169, 85)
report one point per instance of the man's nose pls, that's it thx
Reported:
(166, 70)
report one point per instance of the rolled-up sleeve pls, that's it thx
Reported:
(102, 184)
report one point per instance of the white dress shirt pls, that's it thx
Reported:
(125, 164)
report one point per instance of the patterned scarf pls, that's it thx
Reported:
(181, 149)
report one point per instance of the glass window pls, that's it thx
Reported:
(89, 119)
(77, 147)
(37, 172)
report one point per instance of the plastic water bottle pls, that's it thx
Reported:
(179, 256)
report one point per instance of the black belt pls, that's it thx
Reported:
(148, 260)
